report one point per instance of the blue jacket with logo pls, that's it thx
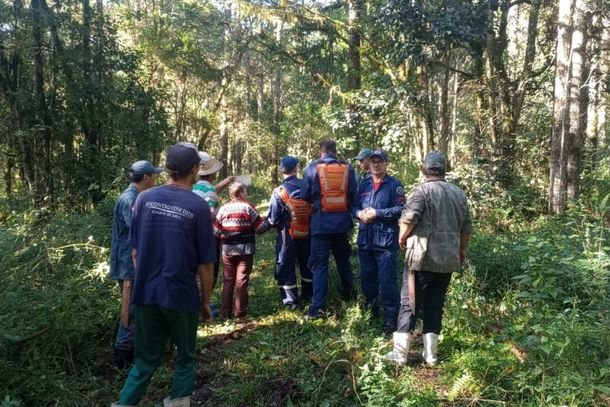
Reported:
(388, 202)
(328, 222)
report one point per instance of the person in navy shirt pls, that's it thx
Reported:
(330, 186)
(292, 243)
(173, 242)
(142, 176)
(380, 204)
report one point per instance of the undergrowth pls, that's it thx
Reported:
(526, 323)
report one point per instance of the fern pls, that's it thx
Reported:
(463, 385)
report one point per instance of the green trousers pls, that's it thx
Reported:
(154, 326)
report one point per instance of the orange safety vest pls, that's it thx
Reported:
(300, 211)
(333, 186)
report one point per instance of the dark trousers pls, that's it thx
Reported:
(378, 274)
(236, 271)
(321, 248)
(430, 292)
(288, 252)
(154, 326)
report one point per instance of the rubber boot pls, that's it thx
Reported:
(430, 344)
(401, 348)
(180, 402)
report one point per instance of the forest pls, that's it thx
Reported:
(515, 93)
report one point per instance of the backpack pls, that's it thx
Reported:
(334, 179)
(300, 211)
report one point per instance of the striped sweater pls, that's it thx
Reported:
(235, 225)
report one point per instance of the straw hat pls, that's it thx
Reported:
(209, 167)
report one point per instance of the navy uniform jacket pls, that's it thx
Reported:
(279, 214)
(388, 201)
(328, 222)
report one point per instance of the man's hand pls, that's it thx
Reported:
(206, 281)
(405, 231)
(206, 312)
(464, 238)
(402, 242)
(362, 216)
(125, 302)
(224, 183)
(370, 214)
(367, 215)
(462, 256)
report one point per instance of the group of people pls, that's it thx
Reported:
(168, 242)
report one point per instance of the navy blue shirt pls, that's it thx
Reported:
(172, 233)
(121, 266)
(388, 202)
(328, 222)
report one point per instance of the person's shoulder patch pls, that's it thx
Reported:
(400, 190)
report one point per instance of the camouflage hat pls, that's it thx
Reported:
(434, 163)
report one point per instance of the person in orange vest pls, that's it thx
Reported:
(329, 184)
(290, 215)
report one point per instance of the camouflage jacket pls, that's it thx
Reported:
(439, 211)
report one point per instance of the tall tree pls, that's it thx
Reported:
(568, 114)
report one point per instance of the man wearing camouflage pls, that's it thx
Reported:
(434, 229)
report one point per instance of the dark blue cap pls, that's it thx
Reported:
(381, 154)
(289, 163)
(364, 153)
(181, 158)
(143, 167)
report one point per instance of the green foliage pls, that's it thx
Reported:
(545, 286)
(57, 307)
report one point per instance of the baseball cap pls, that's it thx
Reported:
(434, 163)
(289, 163)
(181, 158)
(364, 153)
(143, 167)
(379, 153)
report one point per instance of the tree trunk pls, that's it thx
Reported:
(277, 110)
(425, 111)
(88, 125)
(42, 150)
(560, 135)
(354, 75)
(528, 61)
(454, 109)
(577, 99)
(443, 111)
(223, 127)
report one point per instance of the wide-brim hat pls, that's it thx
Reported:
(209, 167)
